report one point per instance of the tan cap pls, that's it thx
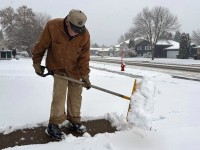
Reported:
(77, 18)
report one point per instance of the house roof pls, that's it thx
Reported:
(175, 46)
(118, 45)
(166, 42)
(138, 41)
(104, 50)
(172, 44)
(197, 47)
(97, 49)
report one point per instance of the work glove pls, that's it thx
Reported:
(86, 81)
(39, 70)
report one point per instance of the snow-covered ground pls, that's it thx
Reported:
(167, 106)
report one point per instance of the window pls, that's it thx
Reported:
(139, 48)
(148, 47)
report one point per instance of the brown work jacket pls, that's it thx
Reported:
(70, 56)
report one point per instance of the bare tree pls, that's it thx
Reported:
(131, 34)
(1, 35)
(41, 19)
(7, 20)
(196, 36)
(167, 36)
(22, 27)
(154, 24)
(24, 22)
(7, 16)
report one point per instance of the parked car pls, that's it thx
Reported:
(22, 54)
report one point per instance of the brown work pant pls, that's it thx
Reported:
(73, 91)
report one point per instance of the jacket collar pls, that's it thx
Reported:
(65, 29)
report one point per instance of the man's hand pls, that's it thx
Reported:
(86, 81)
(38, 69)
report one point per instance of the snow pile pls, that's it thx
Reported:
(142, 104)
(119, 122)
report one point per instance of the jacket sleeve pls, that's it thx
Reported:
(41, 46)
(84, 58)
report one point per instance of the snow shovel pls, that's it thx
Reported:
(80, 82)
(104, 90)
(93, 86)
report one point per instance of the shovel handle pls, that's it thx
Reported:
(111, 92)
(93, 86)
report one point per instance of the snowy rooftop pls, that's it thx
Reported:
(175, 45)
(166, 42)
(97, 49)
(197, 47)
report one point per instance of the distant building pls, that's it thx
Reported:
(197, 56)
(193, 50)
(167, 49)
(99, 51)
(124, 49)
(142, 47)
(171, 52)
(94, 51)
(5, 54)
(163, 48)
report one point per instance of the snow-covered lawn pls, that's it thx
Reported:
(169, 106)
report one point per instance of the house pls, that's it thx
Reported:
(142, 47)
(124, 49)
(193, 50)
(104, 52)
(173, 50)
(166, 49)
(5, 54)
(99, 51)
(163, 48)
(94, 51)
(197, 56)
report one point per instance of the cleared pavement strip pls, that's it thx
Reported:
(37, 135)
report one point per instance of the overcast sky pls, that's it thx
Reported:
(108, 19)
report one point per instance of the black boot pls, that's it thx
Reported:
(54, 132)
(78, 127)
